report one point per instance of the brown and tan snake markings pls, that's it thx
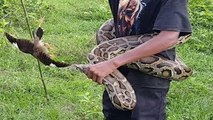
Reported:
(119, 89)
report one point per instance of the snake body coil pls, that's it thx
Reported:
(119, 89)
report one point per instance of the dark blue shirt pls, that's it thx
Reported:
(137, 17)
(156, 15)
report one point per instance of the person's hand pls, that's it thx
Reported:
(98, 71)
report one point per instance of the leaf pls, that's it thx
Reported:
(3, 23)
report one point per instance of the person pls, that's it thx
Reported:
(136, 17)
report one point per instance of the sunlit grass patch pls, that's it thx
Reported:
(70, 28)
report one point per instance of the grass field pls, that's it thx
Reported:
(70, 29)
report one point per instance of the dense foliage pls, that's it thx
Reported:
(11, 13)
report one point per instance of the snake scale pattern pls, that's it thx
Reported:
(120, 91)
(108, 46)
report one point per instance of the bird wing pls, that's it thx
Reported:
(47, 60)
(24, 45)
(39, 33)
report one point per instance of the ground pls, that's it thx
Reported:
(70, 28)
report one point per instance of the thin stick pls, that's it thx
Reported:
(39, 66)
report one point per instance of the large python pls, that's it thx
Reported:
(120, 91)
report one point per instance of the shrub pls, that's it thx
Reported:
(11, 13)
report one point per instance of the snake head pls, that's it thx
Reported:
(82, 67)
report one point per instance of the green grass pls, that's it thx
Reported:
(70, 28)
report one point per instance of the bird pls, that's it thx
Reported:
(36, 48)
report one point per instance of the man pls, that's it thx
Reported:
(136, 17)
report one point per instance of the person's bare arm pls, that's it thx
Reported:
(157, 44)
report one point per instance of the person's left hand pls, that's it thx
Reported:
(98, 71)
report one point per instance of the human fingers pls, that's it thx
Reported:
(94, 77)
(100, 80)
(89, 74)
